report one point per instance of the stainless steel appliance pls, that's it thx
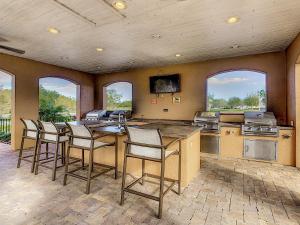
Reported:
(115, 115)
(96, 114)
(208, 121)
(209, 144)
(260, 124)
(260, 149)
(107, 115)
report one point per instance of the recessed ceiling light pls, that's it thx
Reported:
(233, 19)
(235, 46)
(119, 5)
(99, 49)
(178, 55)
(53, 30)
(156, 36)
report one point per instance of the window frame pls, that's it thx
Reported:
(78, 91)
(235, 70)
(104, 104)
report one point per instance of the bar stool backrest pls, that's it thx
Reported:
(31, 128)
(50, 132)
(144, 136)
(81, 135)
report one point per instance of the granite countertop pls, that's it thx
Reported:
(230, 124)
(174, 131)
(286, 127)
(281, 127)
(167, 130)
(163, 121)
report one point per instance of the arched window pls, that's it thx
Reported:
(57, 99)
(237, 91)
(117, 96)
(5, 106)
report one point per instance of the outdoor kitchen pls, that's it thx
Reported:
(255, 137)
(173, 112)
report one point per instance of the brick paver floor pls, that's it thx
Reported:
(224, 192)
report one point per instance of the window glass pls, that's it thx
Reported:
(57, 99)
(237, 91)
(117, 96)
(5, 95)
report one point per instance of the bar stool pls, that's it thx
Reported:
(30, 132)
(146, 144)
(82, 138)
(51, 134)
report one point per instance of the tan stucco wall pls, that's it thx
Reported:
(26, 76)
(297, 111)
(293, 90)
(292, 54)
(193, 83)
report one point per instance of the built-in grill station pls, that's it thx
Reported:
(260, 124)
(101, 114)
(209, 124)
(207, 121)
(96, 115)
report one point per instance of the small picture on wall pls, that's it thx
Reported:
(176, 99)
(154, 101)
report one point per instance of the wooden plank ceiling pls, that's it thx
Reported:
(196, 29)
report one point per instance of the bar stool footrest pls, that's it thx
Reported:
(50, 159)
(169, 187)
(72, 172)
(155, 198)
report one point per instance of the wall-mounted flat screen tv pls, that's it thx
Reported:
(165, 84)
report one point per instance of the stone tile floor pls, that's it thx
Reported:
(224, 192)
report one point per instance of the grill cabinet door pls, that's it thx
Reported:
(260, 149)
(209, 144)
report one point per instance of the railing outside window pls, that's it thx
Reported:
(5, 125)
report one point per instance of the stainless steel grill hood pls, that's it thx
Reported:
(208, 121)
(260, 118)
(95, 114)
(260, 124)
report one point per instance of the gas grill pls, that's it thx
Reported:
(260, 124)
(208, 121)
(107, 115)
(209, 124)
(96, 115)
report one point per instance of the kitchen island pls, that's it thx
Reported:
(190, 150)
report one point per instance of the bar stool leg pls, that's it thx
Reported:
(161, 191)
(66, 166)
(34, 156)
(37, 161)
(62, 153)
(55, 162)
(65, 144)
(124, 175)
(82, 158)
(88, 184)
(20, 153)
(116, 157)
(179, 169)
(47, 150)
(143, 171)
